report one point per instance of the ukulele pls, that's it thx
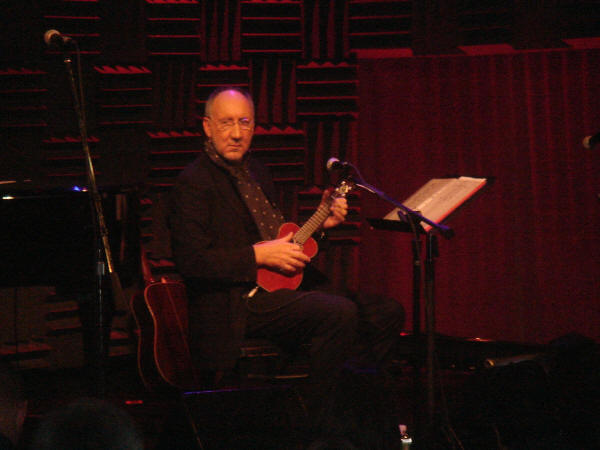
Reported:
(270, 280)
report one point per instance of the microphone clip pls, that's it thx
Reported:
(55, 40)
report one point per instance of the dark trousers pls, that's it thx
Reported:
(327, 322)
(336, 328)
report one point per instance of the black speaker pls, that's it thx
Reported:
(270, 417)
(549, 401)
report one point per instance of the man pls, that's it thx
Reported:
(223, 229)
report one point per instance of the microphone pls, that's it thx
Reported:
(53, 38)
(334, 164)
(590, 142)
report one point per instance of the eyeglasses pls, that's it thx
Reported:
(226, 124)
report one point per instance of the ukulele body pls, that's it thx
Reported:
(271, 281)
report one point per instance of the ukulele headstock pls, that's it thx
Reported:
(343, 188)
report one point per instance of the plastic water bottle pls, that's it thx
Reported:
(405, 438)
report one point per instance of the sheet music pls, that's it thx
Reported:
(439, 197)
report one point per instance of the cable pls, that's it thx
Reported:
(15, 326)
(447, 424)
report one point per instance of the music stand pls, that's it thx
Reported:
(434, 202)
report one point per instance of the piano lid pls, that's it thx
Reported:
(47, 236)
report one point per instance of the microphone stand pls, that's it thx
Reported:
(103, 252)
(414, 218)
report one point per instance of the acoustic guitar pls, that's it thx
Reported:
(163, 356)
(270, 280)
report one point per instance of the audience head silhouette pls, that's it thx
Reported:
(13, 405)
(87, 424)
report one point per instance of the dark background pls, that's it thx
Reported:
(406, 90)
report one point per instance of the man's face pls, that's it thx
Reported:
(231, 125)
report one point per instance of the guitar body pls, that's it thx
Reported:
(163, 350)
(145, 348)
(271, 281)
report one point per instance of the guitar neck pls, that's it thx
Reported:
(314, 222)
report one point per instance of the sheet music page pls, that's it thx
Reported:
(428, 194)
(439, 197)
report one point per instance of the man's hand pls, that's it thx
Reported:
(337, 212)
(281, 255)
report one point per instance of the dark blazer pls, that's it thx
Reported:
(212, 234)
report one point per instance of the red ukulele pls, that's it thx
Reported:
(271, 281)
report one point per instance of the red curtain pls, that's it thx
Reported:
(525, 262)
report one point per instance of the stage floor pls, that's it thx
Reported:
(526, 400)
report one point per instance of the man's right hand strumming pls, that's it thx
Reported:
(281, 255)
